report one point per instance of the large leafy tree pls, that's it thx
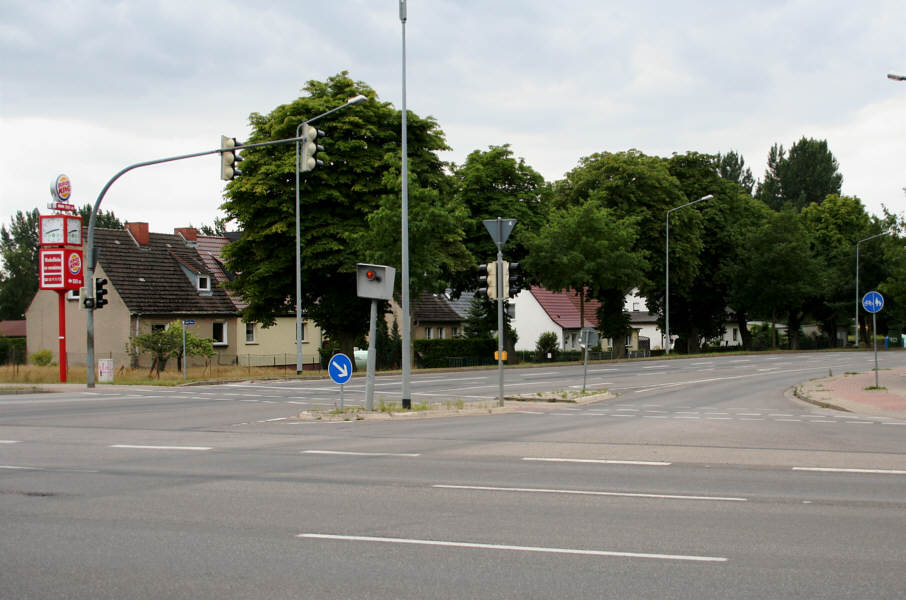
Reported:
(805, 175)
(632, 184)
(698, 306)
(493, 183)
(778, 273)
(732, 166)
(361, 157)
(836, 226)
(19, 276)
(589, 250)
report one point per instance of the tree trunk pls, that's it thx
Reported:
(744, 332)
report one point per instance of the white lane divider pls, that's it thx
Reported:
(590, 493)
(478, 546)
(601, 461)
(137, 447)
(9, 441)
(842, 470)
(347, 453)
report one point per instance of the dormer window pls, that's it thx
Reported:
(204, 283)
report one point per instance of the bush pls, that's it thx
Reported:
(547, 344)
(42, 358)
(434, 353)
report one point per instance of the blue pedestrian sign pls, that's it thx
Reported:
(339, 368)
(873, 302)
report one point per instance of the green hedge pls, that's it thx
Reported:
(436, 353)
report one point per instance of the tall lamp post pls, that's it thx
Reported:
(354, 100)
(404, 275)
(856, 337)
(667, 292)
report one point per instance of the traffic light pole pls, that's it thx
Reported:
(91, 259)
(500, 330)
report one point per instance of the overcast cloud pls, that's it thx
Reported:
(91, 86)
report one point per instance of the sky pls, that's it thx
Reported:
(89, 87)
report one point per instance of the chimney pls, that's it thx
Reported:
(190, 234)
(139, 232)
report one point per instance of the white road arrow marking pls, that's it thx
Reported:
(341, 369)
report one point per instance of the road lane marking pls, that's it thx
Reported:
(840, 470)
(590, 493)
(9, 441)
(345, 453)
(137, 447)
(601, 461)
(479, 546)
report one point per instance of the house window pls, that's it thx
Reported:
(454, 331)
(157, 327)
(427, 333)
(250, 333)
(440, 332)
(204, 283)
(219, 334)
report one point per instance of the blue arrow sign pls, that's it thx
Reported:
(873, 302)
(339, 368)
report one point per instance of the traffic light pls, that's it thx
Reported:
(515, 279)
(310, 147)
(487, 280)
(505, 280)
(229, 158)
(100, 290)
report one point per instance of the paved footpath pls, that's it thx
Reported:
(852, 392)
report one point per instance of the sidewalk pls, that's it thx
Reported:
(848, 392)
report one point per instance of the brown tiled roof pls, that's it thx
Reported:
(12, 328)
(210, 248)
(563, 307)
(151, 280)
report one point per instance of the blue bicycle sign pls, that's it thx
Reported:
(873, 302)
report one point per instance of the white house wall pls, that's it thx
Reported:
(531, 321)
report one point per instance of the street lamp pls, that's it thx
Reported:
(354, 100)
(406, 357)
(856, 338)
(667, 294)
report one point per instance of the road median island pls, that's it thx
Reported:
(857, 393)
(516, 403)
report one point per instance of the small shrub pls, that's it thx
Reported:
(547, 344)
(41, 358)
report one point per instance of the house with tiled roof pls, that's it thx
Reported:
(438, 316)
(538, 311)
(153, 280)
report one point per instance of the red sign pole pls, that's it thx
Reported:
(62, 296)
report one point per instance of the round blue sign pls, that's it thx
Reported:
(339, 368)
(873, 302)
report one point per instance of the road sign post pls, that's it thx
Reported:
(873, 302)
(340, 370)
(500, 229)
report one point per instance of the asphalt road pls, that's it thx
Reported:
(703, 478)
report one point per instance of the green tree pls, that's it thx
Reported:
(361, 159)
(836, 225)
(164, 344)
(103, 220)
(698, 306)
(808, 174)
(19, 276)
(632, 184)
(779, 274)
(732, 167)
(493, 183)
(587, 249)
